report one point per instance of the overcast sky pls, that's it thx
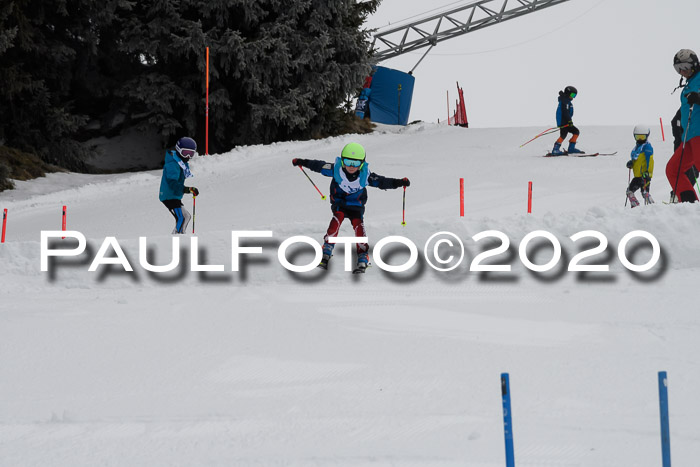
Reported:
(618, 53)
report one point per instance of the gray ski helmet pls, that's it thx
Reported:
(186, 147)
(570, 91)
(686, 60)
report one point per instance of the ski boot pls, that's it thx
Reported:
(634, 202)
(362, 263)
(647, 197)
(324, 262)
(360, 269)
(556, 151)
(572, 149)
(185, 222)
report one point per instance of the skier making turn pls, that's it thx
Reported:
(687, 154)
(350, 178)
(565, 115)
(642, 164)
(172, 183)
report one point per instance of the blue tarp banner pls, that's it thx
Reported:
(387, 103)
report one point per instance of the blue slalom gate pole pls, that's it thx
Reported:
(508, 420)
(663, 409)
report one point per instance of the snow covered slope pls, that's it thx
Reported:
(265, 367)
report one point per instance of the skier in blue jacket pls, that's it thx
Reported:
(565, 115)
(172, 183)
(350, 179)
(687, 65)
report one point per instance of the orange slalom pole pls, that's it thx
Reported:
(461, 197)
(663, 138)
(206, 138)
(529, 198)
(63, 221)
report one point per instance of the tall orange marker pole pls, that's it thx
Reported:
(206, 138)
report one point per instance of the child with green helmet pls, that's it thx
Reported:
(350, 177)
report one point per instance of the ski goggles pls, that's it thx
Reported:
(682, 66)
(572, 95)
(352, 162)
(640, 137)
(187, 153)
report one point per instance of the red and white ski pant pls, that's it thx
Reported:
(691, 156)
(358, 225)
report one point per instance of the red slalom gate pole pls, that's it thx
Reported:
(63, 221)
(461, 197)
(663, 138)
(529, 198)
(206, 138)
(4, 225)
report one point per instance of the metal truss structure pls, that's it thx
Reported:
(456, 22)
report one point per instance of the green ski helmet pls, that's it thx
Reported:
(353, 155)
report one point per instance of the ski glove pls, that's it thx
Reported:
(191, 189)
(693, 98)
(630, 163)
(299, 162)
(402, 182)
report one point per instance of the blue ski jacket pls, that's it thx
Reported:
(172, 182)
(349, 192)
(565, 110)
(693, 85)
(643, 157)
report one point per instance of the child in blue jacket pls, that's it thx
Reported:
(172, 183)
(350, 179)
(565, 115)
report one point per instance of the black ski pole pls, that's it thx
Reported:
(403, 214)
(680, 162)
(629, 177)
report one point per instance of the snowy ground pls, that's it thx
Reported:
(265, 367)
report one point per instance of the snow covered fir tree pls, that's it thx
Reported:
(79, 70)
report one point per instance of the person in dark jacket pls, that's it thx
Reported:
(565, 115)
(172, 183)
(677, 130)
(348, 192)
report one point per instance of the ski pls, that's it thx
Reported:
(324, 262)
(585, 154)
(593, 154)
